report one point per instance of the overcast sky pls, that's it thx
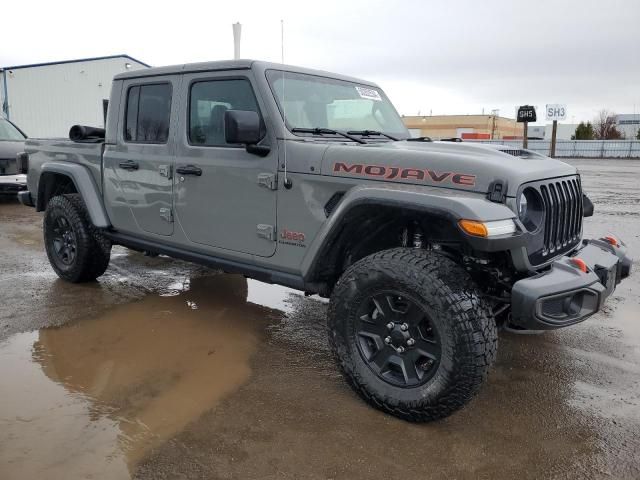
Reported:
(444, 57)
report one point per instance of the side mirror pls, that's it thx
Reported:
(241, 126)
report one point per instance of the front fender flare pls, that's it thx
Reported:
(453, 204)
(86, 187)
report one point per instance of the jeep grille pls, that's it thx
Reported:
(562, 227)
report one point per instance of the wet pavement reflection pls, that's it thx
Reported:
(93, 397)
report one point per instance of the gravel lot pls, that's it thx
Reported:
(163, 369)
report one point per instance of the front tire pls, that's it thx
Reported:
(77, 251)
(411, 333)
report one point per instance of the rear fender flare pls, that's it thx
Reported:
(85, 185)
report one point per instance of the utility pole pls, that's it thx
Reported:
(494, 122)
(5, 95)
(237, 30)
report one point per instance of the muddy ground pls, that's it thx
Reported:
(163, 369)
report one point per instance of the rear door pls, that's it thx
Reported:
(229, 202)
(137, 169)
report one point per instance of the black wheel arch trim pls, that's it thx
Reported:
(85, 186)
(450, 205)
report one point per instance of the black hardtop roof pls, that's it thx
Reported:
(222, 65)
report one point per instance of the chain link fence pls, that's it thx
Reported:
(579, 148)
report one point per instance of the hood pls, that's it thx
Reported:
(8, 152)
(463, 166)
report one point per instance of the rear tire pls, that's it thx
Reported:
(411, 333)
(77, 251)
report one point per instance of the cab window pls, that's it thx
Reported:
(148, 113)
(208, 102)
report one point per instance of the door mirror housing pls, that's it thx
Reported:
(242, 126)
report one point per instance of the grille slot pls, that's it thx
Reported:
(562, 203)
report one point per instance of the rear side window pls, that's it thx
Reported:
(208, 102)
(148, 113)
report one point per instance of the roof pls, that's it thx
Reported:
(222, 65)
(91, 59)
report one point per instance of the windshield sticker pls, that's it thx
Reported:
(369, 93)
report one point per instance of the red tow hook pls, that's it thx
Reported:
(611, 240)
(579, 264)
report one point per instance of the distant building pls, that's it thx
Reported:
(470, 127)
(46, 99)
(628, 124)
(536, 132)
(565, 131)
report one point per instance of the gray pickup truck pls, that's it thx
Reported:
(310, 180)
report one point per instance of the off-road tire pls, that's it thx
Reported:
(446, 292)
(92, 249)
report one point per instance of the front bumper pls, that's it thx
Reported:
(12, 184)
(564, 294)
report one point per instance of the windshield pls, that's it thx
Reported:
(309, 101)
(9, 132)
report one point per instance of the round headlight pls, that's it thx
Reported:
(522, 206)
(530, 209)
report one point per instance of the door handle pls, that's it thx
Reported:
(129, 165)
(189, 170)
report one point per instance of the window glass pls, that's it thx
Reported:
(9, 132)
(148, 113)
(209, 101)
(309, 101)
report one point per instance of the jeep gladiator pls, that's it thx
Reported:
(310, 180)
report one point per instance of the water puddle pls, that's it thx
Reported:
(92, 398)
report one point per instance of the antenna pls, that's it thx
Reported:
(287, 183)
(282, 41)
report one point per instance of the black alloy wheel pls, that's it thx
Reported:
(65, 243)
(397, 339)
(77, 250)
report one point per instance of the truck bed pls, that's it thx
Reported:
(42, 150)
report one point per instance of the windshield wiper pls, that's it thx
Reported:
(328, 131)
(369, 133)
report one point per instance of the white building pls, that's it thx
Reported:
(628, 124)
(46, 99)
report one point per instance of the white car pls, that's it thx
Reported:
(11, 143)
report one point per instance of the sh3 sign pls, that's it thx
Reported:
(556, 112)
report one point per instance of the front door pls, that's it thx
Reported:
(225, 197)
(137, 171)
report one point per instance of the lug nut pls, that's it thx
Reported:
(411, 342)
(404, 327)
(390, 325)
(387, 340)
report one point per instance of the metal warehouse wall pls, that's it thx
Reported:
(45, 101)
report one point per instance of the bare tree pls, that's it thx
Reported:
(605, 128)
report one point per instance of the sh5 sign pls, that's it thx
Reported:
(556, 112)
